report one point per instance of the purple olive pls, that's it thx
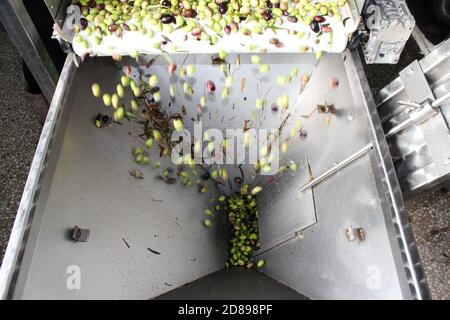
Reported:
(167, 18)
(189, 13)
(211, 87)
(112, 27)
(83, 23)
(319, 19)
(315, 26)
(267, 15)
(223, 7)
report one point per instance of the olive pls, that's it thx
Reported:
(83, 23)
(91, 3)
(84, 10)
(167, 18)
(292, 19)
(105, 119)
(166, 3)
(189, 13)
(112, 27)
(267, 15)
(211, 87)
(319, 18)
(315, 26)
(125, 27)
(196, 32)
(100, 6)
(171, 68)
(223, 7)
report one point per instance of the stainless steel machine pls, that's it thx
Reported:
(335, 229)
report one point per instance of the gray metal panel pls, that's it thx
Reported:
(91, 187)
(416, 86)
(321, 262)
(283, 211)
(87, 183)
(283, 214)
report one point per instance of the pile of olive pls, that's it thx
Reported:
(244, 240)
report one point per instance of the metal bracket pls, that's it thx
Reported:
(352, 233)
(415, 83)
(79, 235)
(422, 102)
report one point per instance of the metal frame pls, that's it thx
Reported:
(420, 150)
(57, 9)
(17, 239)
(25, 37)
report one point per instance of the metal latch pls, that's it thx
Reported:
(79, 235)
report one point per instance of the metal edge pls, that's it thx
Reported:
(53, 6)
(435, 57)
(16, 243)
(405, 244)
(60, 16)
(435, 184)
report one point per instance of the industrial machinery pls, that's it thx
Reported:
(334, 229)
